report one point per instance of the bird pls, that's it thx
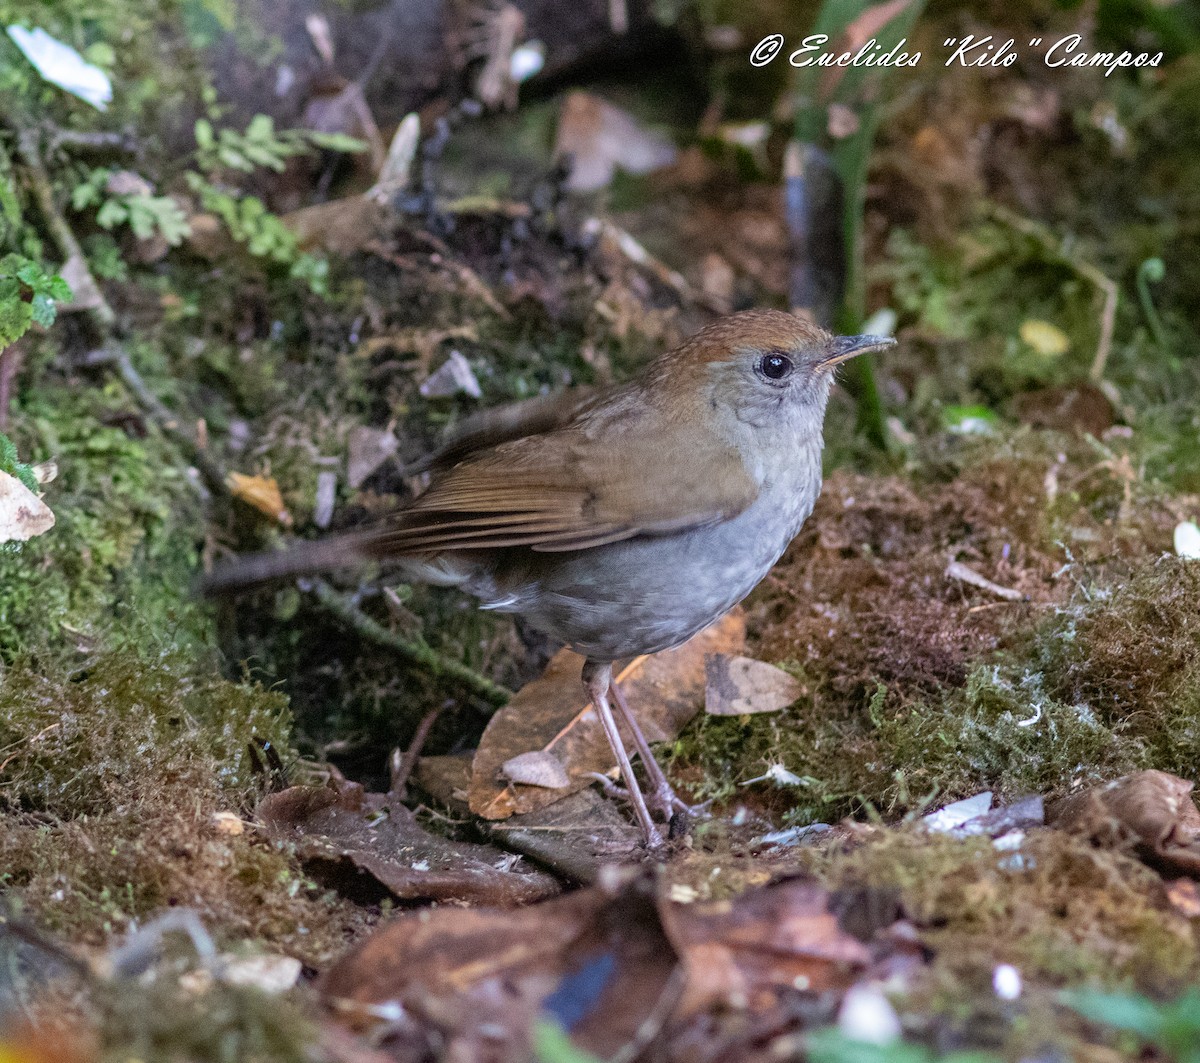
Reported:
(622, 520)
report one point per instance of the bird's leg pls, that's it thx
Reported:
(663, 799)
(597, 679)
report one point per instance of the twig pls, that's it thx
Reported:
(81, 140)
(10, 365)
(415, 651)
(402, 764)
(1057, 248)
(105, 319)
(965, 574)
(43, 193)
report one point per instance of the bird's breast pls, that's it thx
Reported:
(653, 592)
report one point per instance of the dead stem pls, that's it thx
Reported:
(1106, 285)
(105, 319)
(414, 651)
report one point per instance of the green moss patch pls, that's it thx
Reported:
(111, 781)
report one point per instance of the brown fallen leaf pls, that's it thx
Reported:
(575, 837)
(353, 840)
(261, 492)
(1151, 810)
(341, 226)
(596, 960)
(339, 106)
(22, 514)
(741, 953)
(737, 686)
(601, 137)
(551, 715)
(1081, 408)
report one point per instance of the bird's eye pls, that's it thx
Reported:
(775, 366)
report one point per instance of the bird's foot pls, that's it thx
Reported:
(671, 809)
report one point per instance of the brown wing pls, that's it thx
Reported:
(489, 428)
(560, 491)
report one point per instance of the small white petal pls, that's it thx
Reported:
(867, 1015)
(527, 61)
(1006, 981)
(1187, 540)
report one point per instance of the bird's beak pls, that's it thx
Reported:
(845, 347)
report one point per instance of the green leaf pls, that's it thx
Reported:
(1124, 1011)
(15, 313)
(830, 1045)
(8, 453)
(205, 138)
(261, 127)
(552, 1044)
(43, 310)
(234, 159)
(969, 420)
(112, 214)
(31, 275)
(338, 142)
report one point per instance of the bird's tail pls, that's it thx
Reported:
(301, 559)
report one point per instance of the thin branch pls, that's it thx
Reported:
(105, 319)
(10, 365)
(415, 651)
(81, 140)
(1057, 248)
(402, 764)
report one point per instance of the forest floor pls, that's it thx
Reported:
(210, 845)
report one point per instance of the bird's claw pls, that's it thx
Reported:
(663, 801)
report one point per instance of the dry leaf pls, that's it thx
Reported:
(346, 838)
(600, 137)
(366, 450)
(326, 498)
(1152, 810)
(453, 377)
(741, 953)
(22, 514)
(341, 226)
(595, 961)
(737, 686)
(537, 768)
(1045, 338)
(261, 492)
(551, 714)
(1081, 408)
(339, 106)
(1184, 896)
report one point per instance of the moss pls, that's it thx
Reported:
(1059, 910)
(997, 732)
(164, 1021)
(1130, 654)
(1001, 731)
(123, 550)
(111, 781)
(919, 688)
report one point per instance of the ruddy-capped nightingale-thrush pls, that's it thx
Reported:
(623, 522)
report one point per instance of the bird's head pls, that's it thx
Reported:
(763, 368)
